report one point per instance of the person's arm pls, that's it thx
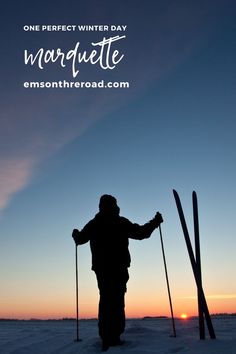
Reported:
(140, 232)
(81, 237)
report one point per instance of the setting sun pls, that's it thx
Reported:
(183, 316)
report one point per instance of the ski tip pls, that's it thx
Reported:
(175, 193)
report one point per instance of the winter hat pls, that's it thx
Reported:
(107, 202)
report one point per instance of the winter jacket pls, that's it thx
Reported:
(109, 239)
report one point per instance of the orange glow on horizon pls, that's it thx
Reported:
(50, 307)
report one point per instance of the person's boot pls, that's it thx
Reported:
(115, 341)
(105, 345)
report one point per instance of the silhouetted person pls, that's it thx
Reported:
(109, 235)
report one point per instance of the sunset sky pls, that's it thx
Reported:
(61, 149)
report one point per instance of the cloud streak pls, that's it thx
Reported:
(14, 175)
(213, 297)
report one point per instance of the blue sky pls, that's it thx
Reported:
(60, 150)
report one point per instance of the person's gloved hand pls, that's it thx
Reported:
(158, 219)
(75, 235)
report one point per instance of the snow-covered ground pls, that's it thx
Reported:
(142, 336)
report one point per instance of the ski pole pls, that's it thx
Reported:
(77, 294)
(167, 282)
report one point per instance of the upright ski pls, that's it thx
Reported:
(198, 262)
(201, 296)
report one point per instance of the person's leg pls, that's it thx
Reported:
(111, 317)
(105, 314)
(103, 307)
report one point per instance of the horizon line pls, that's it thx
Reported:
(95, 318)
